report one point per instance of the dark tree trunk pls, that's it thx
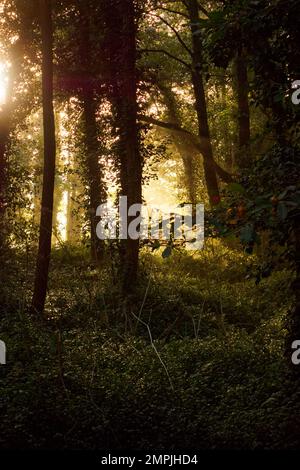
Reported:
(121, 44)
(96, 187)
(201, 108)
(97, 192)
(243, 111)
(44, 250)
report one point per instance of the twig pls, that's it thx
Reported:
(156, 352)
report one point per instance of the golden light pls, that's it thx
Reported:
(3, 82)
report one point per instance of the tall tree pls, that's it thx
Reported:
(121, 24)
(200, 104)
(97, 193)
(44, 249)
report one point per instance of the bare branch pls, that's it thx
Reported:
(173, 11)
(181, 41)
(203, 10)
(163, 51)
(194, 140)
(166, 125)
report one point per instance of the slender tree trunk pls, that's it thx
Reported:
(121, 44)
(44, 250)
(201, 108)
(243, 111)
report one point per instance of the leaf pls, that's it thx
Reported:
(235, 188)
(167, 252)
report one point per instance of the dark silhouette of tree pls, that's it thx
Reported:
(121, 25)
(44, 249)
(97, 193)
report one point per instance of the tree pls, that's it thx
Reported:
(186, 151)
(200, 105)
(121, 46)
(195, 65)
(97, 194)
(44, 249)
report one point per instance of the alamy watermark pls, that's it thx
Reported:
(2, 352)
(138, 221)
(296, 353)
(296, 93)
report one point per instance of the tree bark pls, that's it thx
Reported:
(96, 187)
(121, 43)
(97, 191)
(200, 106)
(44, 250)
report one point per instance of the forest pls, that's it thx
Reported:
(178, 329)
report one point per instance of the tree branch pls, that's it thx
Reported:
(166, 125)
(173, 11)
(203, 10)
(163, 51)
(181, 41)
(223, 174)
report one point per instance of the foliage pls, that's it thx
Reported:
(72, 382)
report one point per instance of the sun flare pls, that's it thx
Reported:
(3, 83)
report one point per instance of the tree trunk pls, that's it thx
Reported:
(121, 44)
(96, 188)
(44, 250)
(243, 111)
(201, 108)
(97, 192)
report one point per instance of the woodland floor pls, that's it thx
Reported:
(195, 361)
